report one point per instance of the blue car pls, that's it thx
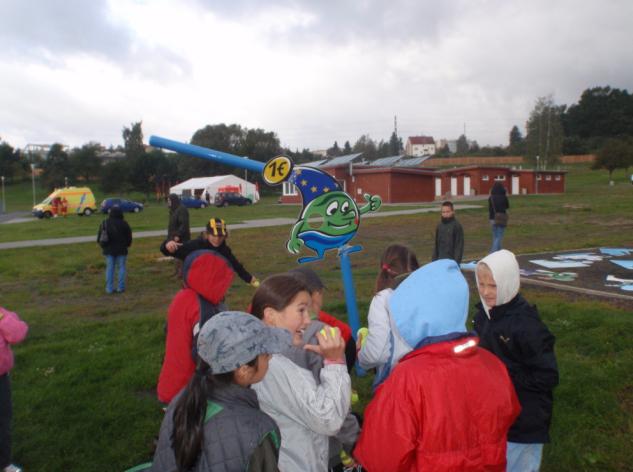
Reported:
(190, 202)
(125, 205)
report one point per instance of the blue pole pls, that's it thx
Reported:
(350, 293)
(205, 153)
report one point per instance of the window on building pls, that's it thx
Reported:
(500, 177)
(289, 189)
(538, 176)
(548, 177)
(557, 177)
(484, 178)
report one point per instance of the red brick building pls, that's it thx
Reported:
(397, 184)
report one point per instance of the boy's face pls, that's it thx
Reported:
(447, 212)
(487, 286)
(216, 241)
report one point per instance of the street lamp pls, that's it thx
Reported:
(4, 205)
(33, 181)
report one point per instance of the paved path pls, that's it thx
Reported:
(247, 224)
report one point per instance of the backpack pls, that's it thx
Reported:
(103, 238)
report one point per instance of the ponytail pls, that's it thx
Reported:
(189, 414)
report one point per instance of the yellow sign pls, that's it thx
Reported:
(277, 170)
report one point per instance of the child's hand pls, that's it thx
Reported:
(331, 345)
(254, 282)
(172, 246)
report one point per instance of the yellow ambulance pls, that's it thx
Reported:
(80, 201)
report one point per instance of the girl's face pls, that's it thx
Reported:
(216, 241)
(487, 286)
(295, 317)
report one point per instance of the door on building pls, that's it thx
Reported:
(438, 186)
(466, 185)
(515, 185)
(453, 186)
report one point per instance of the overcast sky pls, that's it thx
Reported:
(74, 71)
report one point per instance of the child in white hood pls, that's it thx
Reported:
(511, 328)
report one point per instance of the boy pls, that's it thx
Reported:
(215, 240)
(448, 404)
(449, 236)
(511, 328)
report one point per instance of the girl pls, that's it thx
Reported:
(12, 331)
(215, 424)
(306, 413)
(383, 347)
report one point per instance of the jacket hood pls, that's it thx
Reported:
(432, 301)
(505, 271)
(498, 189)
(116, 212)
(174, 201)
(208, 274)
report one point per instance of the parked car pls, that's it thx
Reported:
(124, 205)
(230, 198)
(191, 202)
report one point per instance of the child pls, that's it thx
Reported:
(306, 413)
(317, 288)
(511, 328)
(216, 423)
(214, 240)
(12, 331)
(449, 236)
(383, 346)
(448, 404)
(207, 276)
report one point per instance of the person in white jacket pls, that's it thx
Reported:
(306, 413)
(383, 346)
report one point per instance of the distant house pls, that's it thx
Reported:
(419, 146)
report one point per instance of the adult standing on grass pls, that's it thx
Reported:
(449, 236)
(178, 228)
(119, 239)
(498, 206)
(509, 327)
(12, 331)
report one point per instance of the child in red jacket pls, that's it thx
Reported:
(12, 331)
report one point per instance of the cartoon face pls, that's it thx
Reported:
(338, 214)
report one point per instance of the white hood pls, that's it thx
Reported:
(505, 271)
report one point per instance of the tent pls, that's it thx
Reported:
(198, 186)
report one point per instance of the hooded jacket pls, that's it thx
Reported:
(119, 233)
(497, 201)
(448, 404)
(207, 277)
(178, 220)
(514, 332)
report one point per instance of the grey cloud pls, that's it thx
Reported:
(50, 30)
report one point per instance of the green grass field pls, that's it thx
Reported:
(83, 385)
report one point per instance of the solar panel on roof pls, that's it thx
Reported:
(337, 161)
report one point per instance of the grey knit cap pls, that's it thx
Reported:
(231, 339)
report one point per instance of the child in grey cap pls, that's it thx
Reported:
(215, 422)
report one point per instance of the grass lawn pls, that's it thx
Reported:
(83, 385)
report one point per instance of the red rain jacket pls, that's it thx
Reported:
(205, 273)
(440, 410)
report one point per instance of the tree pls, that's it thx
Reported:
(85, 162)
(56, 168)
(141, 167)
(544, 133)
(367, 146)
(462, 146)
(516, 145)
(614, 154)
(334, 151)
(444, 151)
(347, 148)
(9, 161)
(395, 144)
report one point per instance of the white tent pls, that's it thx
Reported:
(211, 185)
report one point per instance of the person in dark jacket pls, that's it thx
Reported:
(511, 328)
(449, 236)
(115, 249)
(497, 203)
(215, 240)
(178, 229)
(216, 424)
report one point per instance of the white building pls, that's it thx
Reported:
(419, 146)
